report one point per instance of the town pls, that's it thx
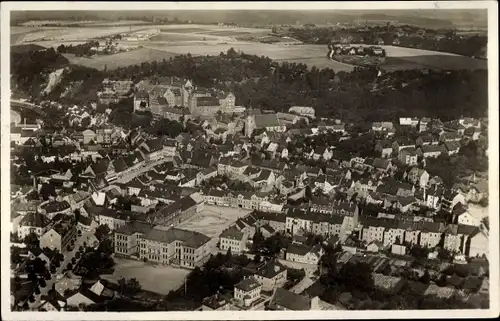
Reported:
(93, 199)
(160, 162)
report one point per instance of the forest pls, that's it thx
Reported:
(360, 96)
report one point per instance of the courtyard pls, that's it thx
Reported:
(155, 278)
(213, 220)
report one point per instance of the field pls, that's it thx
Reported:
(155, 278)
(211, 40)
(120, 59)
(177, 37)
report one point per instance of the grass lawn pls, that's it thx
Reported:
(155, 278)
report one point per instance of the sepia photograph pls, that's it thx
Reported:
(249, 160)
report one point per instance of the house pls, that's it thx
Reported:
(418, 176)
(284, 300)
(52, 303)
(234, 240)
(452, 147)
(247, 292)
(430, 150)
(462, 216)
(408, 156)
(88, 136)
(387, 127)
(32, 223)
(304, 253)
(303, 111)
(58, 237)
(321, 152)
(450, 199)
(446, 137)
(384, 147)
(472, 133)
(426, 140)
(374, 246)
(272, 275)
(402, 143)
(216, 302)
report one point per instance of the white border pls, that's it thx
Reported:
(492, 7)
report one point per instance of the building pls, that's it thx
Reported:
(174, 246)
(127, 238)
(233, 239)
(268, 122)
(141, 101)
(304, 253)
(272, 275)
(303, 111)
(58, 237)
(284, 300)
(418, 176)
(247, 292)
(216, 302)
(35, 223)
(408, 156)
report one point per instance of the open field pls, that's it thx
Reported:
(69, 33)
(155, 278)
(213, 220)
(211, 40)
(120, 59)
(164, 36)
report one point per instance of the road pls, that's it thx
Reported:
(143, 169)
(305, 283)
(67, 259)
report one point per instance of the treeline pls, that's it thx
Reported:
(406, 36)
(361, 96)
(81, 50)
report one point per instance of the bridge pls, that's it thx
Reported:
(24, 108)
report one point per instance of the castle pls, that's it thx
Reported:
(174, 93)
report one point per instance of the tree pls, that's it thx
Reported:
(48, 190)
(77, 215)
(31, 241)
(37, 290)
(102, 231)
(229, 254)
(257, 258)
(426, 278)
(43, 283)
(129, 288)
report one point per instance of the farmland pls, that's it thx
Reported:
(120, 59)
(212, 40)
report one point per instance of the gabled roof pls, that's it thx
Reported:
(266, 120)
(247, 284)
(288, 300)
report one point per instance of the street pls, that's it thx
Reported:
(67, 259)
(146, 168)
